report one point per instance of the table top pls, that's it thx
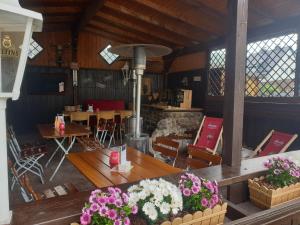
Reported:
(71, 130)
(94, 113)
(95, 167)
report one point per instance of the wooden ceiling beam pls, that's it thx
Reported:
(106, 35)
(151, 17)
(53, 10)
(141, 25)
(52, 3)
(199, 18)
(57, 27)
(125, 27)
(113, 30)
(89, 12)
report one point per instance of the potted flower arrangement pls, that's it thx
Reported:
(107, 208)
(200, 197)
(156, 199)
(280, 184)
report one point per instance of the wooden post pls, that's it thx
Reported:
(235, 81)
(297, 72)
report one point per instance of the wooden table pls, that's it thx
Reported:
(72, 131)
(95, 167)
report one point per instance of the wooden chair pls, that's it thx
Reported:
(81, 117)
(28, 192)
(275, 142)
(124, 115)
(201, 159)
(166, 147)
(106, 126)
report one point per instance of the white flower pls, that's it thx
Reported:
(165, 208)
(150, 211)
(156, 191)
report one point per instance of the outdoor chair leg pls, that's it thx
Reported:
(54, 153)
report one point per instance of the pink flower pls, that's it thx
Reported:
(111, 190)
(118, 190)
(277, 172)
(111, 200)
(112, 214)
(204, 202)
(286, 166)
(95, 192)
(215, 197)
(118, 203)
(125, 198)
(186, 192)
(195, 189)
(103, 210)
(102, 200)
(212, 203)
(134, 210)
(118, 222)
(126, 221)
(85, 219)
(94, 207)
(92, 199)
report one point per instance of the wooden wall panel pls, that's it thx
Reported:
(189, 62)
(49, 41)
(89, 46)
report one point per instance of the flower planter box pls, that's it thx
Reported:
(213, 216)
(266, 198)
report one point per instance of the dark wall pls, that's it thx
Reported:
(261, 117)
(30, 110)
(174, 81)
(108, 84)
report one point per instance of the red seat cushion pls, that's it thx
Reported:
(276, 143)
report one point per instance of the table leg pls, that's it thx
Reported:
(66, 151)
(54, 153)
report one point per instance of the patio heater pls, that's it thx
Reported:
(16, 27)
(139, 53)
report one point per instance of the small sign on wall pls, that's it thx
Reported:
(197, 78)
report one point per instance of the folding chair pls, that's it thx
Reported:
(208, 138)
(275, 142)
(27, 159)
(28, 192)
(209, 134)
(201, 159)
(106, 126)
(167, 147)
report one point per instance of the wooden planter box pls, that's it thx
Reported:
(213, 216)
(266, 198)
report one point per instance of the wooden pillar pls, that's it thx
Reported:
(74, 59)
(235, 81)
(297, 72)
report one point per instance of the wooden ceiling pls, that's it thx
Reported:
(174, 23)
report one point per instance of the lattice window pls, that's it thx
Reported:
(271, 65)
(108, 56)
(34, 49)
(270, 68)
(216, 76)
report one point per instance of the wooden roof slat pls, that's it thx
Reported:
(53, 3)
(89, 13)
(132, 21)
(196, 17)
(123, 26)
(104, 34)
(63, 9)
(129, 8)
(113, 30)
